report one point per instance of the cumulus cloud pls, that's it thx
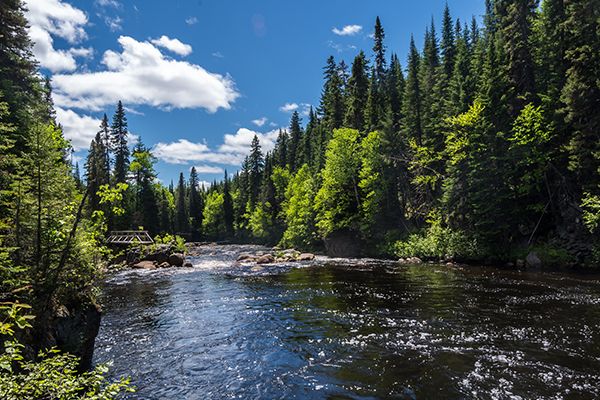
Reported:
(141, 74)
(259, 121)
(79, 129)
(115, 23)
(289, 107)
(174, 45)
(208, 169)
(348, 30)
(54, 18)
(231, 152)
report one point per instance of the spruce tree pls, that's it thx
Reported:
(448, 45)
(181, 212)
(228, 207)
(294, 142)
(119, 144)
(581, 93)
(332, 98)
(195, 205)
(255, 171)
(411, 106)
(357, 93)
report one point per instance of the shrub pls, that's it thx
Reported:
(54, 375)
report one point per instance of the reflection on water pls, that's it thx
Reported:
(348, 330)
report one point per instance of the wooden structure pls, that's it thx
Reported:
(129, 237)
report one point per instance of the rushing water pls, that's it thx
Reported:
(341, 329)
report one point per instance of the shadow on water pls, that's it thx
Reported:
(351, 329)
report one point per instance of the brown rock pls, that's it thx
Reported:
(176, 259)
(144, 265)
(164, 265)
(188, 264)
(306, 257)
(265, 259)
(245, 257)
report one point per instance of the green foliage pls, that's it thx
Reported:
(298, 209)
(438, 243)
(176, 241)
(591, 212)
(54, 375)
(213, 224)
(372, 184)
(337, 202)
(260, 223)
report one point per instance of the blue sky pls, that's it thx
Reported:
(200, 77)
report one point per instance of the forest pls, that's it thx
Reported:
(484, 146)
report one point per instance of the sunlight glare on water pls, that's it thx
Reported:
(351, 329)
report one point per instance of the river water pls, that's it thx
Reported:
(344, 329)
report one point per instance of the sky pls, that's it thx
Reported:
(200, 78)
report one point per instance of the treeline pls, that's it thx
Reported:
(485, 146)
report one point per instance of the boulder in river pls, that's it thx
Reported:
(188, 264)
(144, 265)
(265, 259)
(533, 260)
(176, 259)
(306, 257)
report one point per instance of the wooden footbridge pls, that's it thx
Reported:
(129, 237)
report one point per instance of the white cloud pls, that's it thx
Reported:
(231, 152)
(239, 143)
(108, 3)
(218, 54)
(191, 21)
(289, 107)
(348, 30)
(208, 169)
(260, 121)
(53, 18)
(204, 184)
(115, 23)
(141, 74)
(79, 129)
(174, 45)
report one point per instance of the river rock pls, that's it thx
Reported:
(164, 265)
(265, 259)
(306, 257)
(176, 259)
(520, 263)
(144, 265)
(533, 260)
(245, 257)
(188, 264)
(413, 260)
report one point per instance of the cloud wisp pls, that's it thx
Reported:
(174, 45)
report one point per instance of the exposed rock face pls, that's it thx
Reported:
(343, 243)
(71, 329)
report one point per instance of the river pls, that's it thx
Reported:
(347, 329)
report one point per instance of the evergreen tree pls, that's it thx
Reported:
(294, 142)
(357, 93)
(581, 93)
(332, 98)
(119, 144)
(195, 205)
(181, 216)
(376, 102)
(448, 44)
(228, 216)
(411, 106)
(255, 171)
